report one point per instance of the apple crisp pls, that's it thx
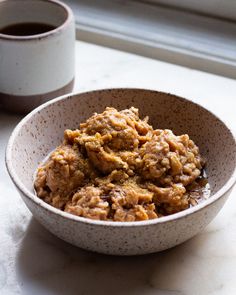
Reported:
(117, 167)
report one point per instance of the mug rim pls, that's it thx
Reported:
(68, 19)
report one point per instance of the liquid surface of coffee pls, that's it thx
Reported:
(26, 29)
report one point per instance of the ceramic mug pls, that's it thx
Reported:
(37, 52)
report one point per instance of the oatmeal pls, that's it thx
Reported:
(117, 167)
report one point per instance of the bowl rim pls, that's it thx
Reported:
(20, 186)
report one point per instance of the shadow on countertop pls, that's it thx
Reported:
(52, 266)
(8, 122)
(48, 265)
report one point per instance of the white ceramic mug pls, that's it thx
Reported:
(38, 67)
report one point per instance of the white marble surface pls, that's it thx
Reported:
(34, 262)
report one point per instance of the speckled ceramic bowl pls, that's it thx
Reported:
(42, 130)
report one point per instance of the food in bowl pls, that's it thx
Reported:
(117, 167)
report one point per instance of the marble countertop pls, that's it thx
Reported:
(34, 262)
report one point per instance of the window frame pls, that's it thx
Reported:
(215, 8)
(158, 32)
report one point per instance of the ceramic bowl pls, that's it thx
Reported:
(42, 130)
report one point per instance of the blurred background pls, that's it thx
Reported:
(197, 34)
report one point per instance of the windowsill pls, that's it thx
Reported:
(160, 33)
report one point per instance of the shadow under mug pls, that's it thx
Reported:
(39, 66)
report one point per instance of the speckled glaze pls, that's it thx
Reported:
(42, 130)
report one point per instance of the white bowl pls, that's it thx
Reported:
(42, 130)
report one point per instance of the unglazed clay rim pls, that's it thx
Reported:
(68, 19)
(228, 185)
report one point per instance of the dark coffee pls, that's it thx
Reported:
(26, 29)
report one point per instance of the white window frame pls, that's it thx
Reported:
(157, 31)
(217, 8)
